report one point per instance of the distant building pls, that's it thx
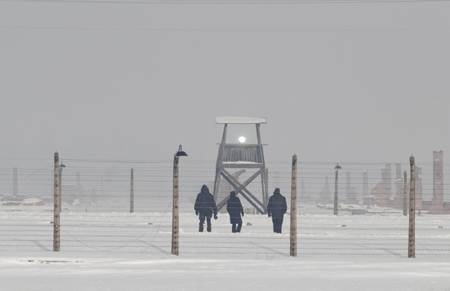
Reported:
(33, 202)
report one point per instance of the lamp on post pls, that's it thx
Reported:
(337, 168)
(175, 218)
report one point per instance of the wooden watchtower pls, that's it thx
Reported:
(241, 156)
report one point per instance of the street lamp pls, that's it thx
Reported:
(180, 152)
(175, 218)
(337, 168)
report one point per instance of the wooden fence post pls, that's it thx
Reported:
(405, 194)
(175, 216)
(57, 206)
(132, 192)
(175, 222)
(336, 199)
(15, 182)
(412, 211)
(293, 252)
(266, 182)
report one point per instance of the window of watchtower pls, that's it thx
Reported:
(235, 131)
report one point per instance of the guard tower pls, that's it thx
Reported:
(241, 156)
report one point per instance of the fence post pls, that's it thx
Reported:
(15, 188)
(294, 207)
(365, 183)
(175, 222)
(175, 217)
(412, 211)
(57, 206)
(336, 199)
(266, 182)
(336, 194)
(405, 194)
(132, 192)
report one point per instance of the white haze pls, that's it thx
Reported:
(337, 82)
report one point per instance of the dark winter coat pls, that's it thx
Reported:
(205, 204)
(234, 208)
(277, 204)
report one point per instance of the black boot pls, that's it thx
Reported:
(208, 224)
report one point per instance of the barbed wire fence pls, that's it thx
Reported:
(96, 214)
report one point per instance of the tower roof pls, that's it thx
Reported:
(241, 120)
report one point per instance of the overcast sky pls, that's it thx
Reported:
(364, 82)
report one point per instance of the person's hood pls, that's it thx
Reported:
(277, 191)
(232, 194)
(205, 189)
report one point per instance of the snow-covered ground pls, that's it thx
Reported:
(119, 251)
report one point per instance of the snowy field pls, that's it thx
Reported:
(119, 251)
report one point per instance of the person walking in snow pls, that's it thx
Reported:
(234, 208)
(277, 208)
(205, 206)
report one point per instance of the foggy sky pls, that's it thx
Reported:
(336, 82)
